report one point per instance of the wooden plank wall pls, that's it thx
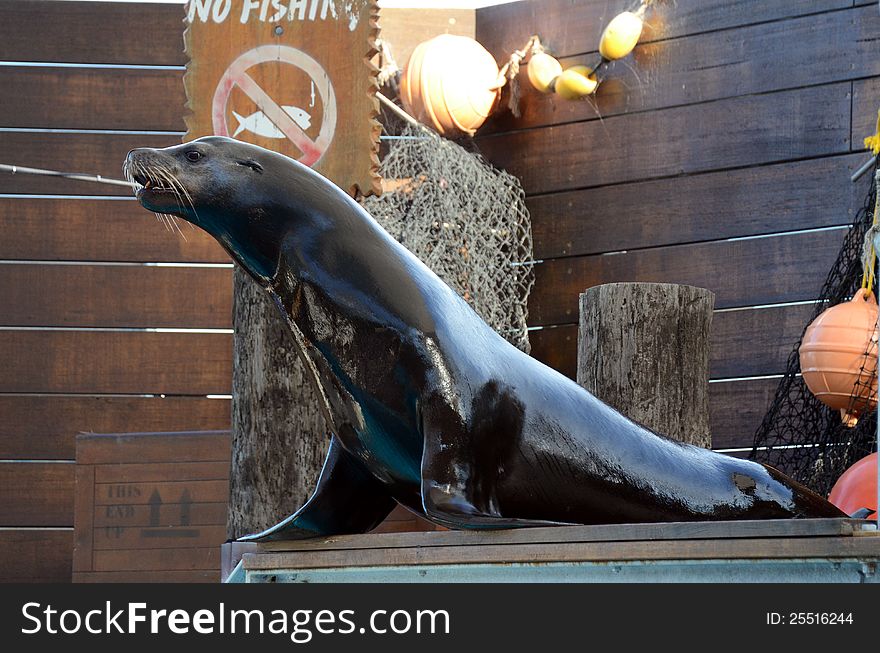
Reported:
(718, 155)
(721, 159)
(81, 291)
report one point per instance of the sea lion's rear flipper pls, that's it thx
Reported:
(347, 499)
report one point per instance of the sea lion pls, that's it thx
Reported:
(428, 406)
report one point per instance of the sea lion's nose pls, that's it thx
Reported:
(145, 157)
(137, 153)
(137, 161)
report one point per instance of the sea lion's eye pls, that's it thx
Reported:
(193, 155)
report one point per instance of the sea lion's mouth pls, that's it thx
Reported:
(157, 187)
(146, 185)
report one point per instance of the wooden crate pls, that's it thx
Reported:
(150, 507)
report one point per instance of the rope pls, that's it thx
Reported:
(509, 73)
(77, 176)
(403, 115)
(388, 68)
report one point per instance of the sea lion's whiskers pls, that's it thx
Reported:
(129, 177)
(176, 224)
(139, 169)
(166, 176)
(156, 175)
(176, 183)
(174, 219)
(175, 186)
(142, 170)
(181, 194)
(169, 220)
(161, 176)
(129, 171)
(190, 200)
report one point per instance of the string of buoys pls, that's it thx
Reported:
(619, 39)
(452, 83)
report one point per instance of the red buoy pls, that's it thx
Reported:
(857, 486)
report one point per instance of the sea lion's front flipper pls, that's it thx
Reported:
(459, 479)
(347, 499)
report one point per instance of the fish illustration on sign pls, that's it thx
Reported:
(258, 122)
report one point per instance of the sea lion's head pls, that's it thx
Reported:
(237, 192)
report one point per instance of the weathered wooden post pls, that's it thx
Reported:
(643, 348)
(279, 434)
(296, 79)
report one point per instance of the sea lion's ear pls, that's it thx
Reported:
(250, 163)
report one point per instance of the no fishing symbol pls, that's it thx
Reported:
(274, 119)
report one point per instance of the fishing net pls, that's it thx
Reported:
(465, 219)
(799, 434)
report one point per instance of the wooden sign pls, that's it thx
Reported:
(293, 76)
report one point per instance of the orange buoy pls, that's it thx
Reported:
(857, 487)
(839, 356)
(450, 83)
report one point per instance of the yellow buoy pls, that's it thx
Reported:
(543, 69)
(621, 36)
(575, 83)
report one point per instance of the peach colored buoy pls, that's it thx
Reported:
(838, 356)
(450, 83)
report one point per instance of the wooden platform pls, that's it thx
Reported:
(820, 550)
